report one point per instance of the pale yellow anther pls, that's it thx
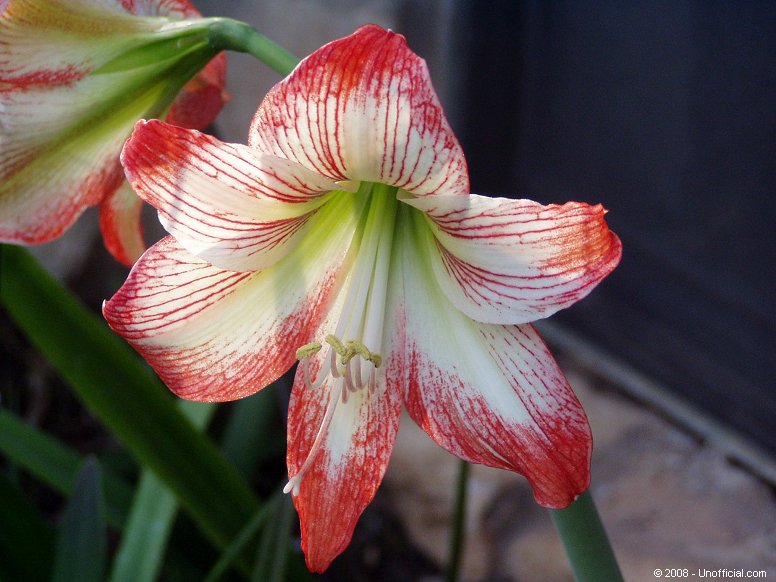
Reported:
(308, 350)
(349, 349)
(336, 344)
(360, 349)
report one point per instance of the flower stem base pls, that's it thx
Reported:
(585, 541)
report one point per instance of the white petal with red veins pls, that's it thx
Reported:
(229, 205)
(516, 261)
(65, 109)
(350, 464)
(49, 173)
(490, 394)
(363, 108)
(120, 225)
(216, 335)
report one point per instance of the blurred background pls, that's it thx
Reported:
(664, 112)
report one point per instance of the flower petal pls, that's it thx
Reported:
(201, 99)
(120, 225)
(363, 108)
(349, 467)
(516, 261)
(490, 394)
(216, 335)
(62, 127)
(226, 203)
(44, 187)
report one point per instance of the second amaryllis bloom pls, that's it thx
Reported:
(75, 76)
(344, 236)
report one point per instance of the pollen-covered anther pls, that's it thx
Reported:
(308, 350)
(344, 361)
(348, 378)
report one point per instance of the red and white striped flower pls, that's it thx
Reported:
(75, 76)
(344, 236)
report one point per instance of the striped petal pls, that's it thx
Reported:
(61, 125)
(201, 99)
(216, 335)
(363, 108)
(349, 467)
(47, 182)
(226, 203)
(515, 261)
(122, 231)
(489, 394)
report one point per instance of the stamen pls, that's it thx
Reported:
(349, 378)
(295, 481)
(308, 350)
(333, 365)
(358, 383)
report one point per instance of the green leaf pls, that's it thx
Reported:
(111, 381)
(141, 553)
(26, 542)
(241, 541)
(57, 465)
(81, 543)
(250, 434)
(270, 565)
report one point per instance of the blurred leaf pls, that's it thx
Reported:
(26, 541)
(57, 465)
(112, 382)
(270, 565)
(250, 433)
(81, 544)
(282, 541)
(142, 550)
(242, 540)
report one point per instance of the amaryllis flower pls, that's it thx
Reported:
(75, 76)
(344, 236)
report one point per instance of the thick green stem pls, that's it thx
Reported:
(459, 520)
(586, 543)
(233, 35)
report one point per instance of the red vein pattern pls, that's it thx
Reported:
(347, 472)
(216, 335)
(48, 106)
(506, 404)
(516, 261)
(227, 203)
(363, 108)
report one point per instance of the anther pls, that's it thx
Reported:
(308, 350)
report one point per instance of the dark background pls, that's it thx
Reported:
(665, 112)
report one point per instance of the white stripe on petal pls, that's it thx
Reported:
(515, 261)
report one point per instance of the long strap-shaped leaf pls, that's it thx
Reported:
(56, 465)
(141, 552)
(81, 544)
(112, 382)
(26, 541)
